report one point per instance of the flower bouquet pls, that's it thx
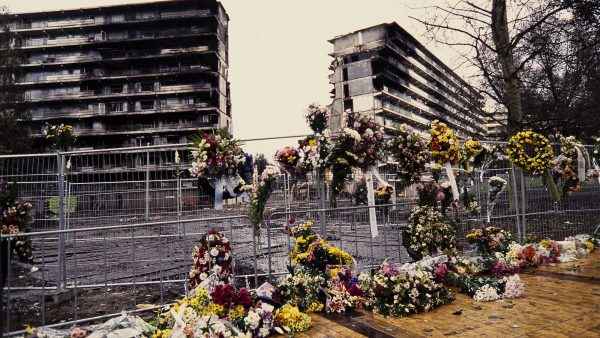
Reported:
(215, 155)
(315, 253)
(496, 187)
(489, 240)
(471, 149)
(344, 291)
(61, 136)
(302, 289)
(317, 117)
(289, 317)
(427, 233)
(429, 194)
(289, 159)
(391, 292)
(567, 165)
(211, 256)
(15, 217)
(444, 145)
(410, 151)
(260, 191)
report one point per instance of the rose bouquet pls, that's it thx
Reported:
(215, 155)
(427, 233)
(317, 117)
(211, 256)
(444, 145)
(410, 151)
(429, 194)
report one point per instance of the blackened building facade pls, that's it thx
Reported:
(127, 75)
(385, 71)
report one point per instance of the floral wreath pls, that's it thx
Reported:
(517, 154)
(212, 255)
(427, 232)
(215, 155)
(444, 144)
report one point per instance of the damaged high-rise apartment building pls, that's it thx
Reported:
(127, 75)
(385, 71)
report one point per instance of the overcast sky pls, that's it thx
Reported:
(279, 54)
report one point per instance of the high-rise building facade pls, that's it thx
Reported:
(127, 75)
(385, 71)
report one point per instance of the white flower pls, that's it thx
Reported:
(486, 293)
(352, 133)
(217, 269)
(214, 252)
(252, 320)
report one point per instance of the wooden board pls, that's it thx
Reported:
(557, 303)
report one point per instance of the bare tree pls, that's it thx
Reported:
(492, 36)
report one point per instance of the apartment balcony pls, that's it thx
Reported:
(143, 128)
(134, 55)
(87, 113)
(94, 40)
(100, 21)
(91, 95)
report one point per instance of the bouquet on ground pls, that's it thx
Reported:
(427, 233)
(215, 155)
(344, 291)
(392, 292)
(315, 253)
(302, 288)
(212, 256)
(489, 240)
(409, 149)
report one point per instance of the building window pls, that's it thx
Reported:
(116, 106)
(147, 86)
(115, 89)
(348, 104)
(346, 90)
(344, 74)
(146, 105)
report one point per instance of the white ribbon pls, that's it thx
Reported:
(452, 180)
(580, 165)
(219, 193)
(371, 203)
(597, 168)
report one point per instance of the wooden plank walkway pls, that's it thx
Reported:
(562, 300)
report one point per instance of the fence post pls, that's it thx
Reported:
(516, 200)
(523, 204)
(62, 264)
(147, 190)
(321, 201)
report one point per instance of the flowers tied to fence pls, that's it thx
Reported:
(15, 218)
(289, 159)
(572, 165)
(212, 256)
(215, 155)
(533, 153)
(360, 145)
(61, 136)
(260, 191)
(471, 148)
(427, 233)
(410, 150)
(317, 117)
(445, 151)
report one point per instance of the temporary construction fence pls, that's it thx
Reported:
(114, 229)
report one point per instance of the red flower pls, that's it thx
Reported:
(243, 298)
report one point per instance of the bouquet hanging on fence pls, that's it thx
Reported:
(317, 118)
(444, 144)
(429, 194)
(427, 233)
(489, 240)
(393, 292)
(15, 218)
(215, 155)
(260, 191)
(61, 136)
(470, 203)
(360, 145)
(471, 149)
(496, 186)
(212, 256)
(313, 150)
(289, 159)
(409, 149)
(572, 165)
